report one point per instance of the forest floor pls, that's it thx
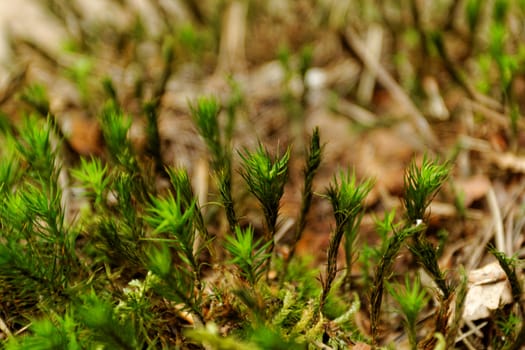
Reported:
(385, 84)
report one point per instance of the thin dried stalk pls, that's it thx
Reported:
(397, 92)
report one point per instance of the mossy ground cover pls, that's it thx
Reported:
(265, 175)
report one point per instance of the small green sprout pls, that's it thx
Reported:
(36, 96)
(473, 10)
(174, 229)
(313, 160)
(509, 326)
(35, 146)
(166, 215)
(94, 178)
(421, 185)
(115, 128)
(153, 148)
(266, 177)
(180, 181)
(509, 264)
(412, 298)
(247, 254)
(205, 114)
(80, 73)
(426, 254)
(347, 198)
(384, 270)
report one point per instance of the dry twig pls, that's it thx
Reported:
(397, 92)
(497, 219)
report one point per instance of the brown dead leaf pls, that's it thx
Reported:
(384, 156)
(82, 133)
(473, 188)
(440, 211)
(488, 290)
